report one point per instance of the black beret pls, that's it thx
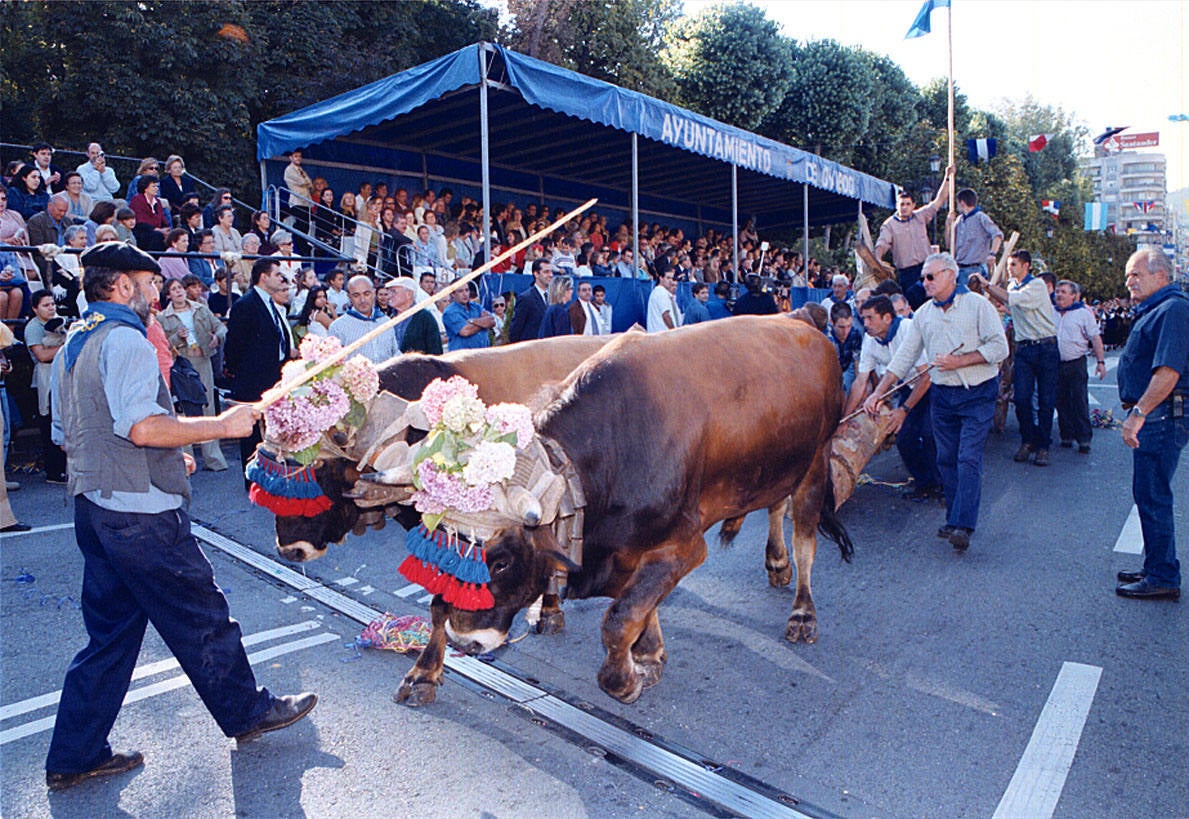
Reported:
(119, 256)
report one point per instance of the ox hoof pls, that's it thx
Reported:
(625, 688)
(416, 694)
(779, 577)
(551, 623)
(650, 673)
(802, 628)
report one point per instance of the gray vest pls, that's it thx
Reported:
(97, 458)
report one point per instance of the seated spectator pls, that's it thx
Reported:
(175, 267)
(103, 213)
(204, 268)
(27, 195)
(848, 341)
(262, 229)
(176, 183)
(49, 227)
(227, 238)
(14, 289)
(305, 279)
(283, 241)
(99, 181)
(425, 250)
(14, 231)
(221, 197)
(78, 203)
(148, 166)
(151, 225)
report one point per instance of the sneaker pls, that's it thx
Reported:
(118, 763)
(284, 712)
(1042, 457)
(1022, 453)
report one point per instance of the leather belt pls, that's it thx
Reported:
(1028, 342)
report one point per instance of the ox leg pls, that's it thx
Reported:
(648, 652)
(420, 685)
(553, 619)
(634, 611)
(776, 555)
(807, 508)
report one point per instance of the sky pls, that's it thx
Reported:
(1104, 62)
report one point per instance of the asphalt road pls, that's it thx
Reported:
(1006, 681)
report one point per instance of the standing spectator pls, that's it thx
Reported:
(44, 336)
(1154, 385)
(315, 318)
(755, 302)
(965, 386)
(99, 181)
(347, 224)
(530, 304)
(663, 313)
(227, 238)
(976, 238)
(697, 311)
(584, 319)
(222, 297)
(360, 319)
(305, 280)
(152, 226)
(51, 175)
(1036, 358)
(418, 334)
(27, 194)
(716, 306)
(195, 334)
(556, 321)
(499, 312)
(467, 322)
(839, 287)
(300, 192)
(599, 300)
(78, 203)
(142, 564)
(148, 167)
(848, 341)
(176, 185)
(906, 234)
(1077, 334)
(258, 342)
(335, 294)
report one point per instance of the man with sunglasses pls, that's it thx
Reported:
(962, 336)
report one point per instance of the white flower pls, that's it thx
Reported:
(490, 462)
(462, 413)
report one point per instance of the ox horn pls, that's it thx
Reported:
(524, 506)
(399, 476)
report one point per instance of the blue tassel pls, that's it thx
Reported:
(280, 479)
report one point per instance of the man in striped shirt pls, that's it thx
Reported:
(962, 337)
(361, 318)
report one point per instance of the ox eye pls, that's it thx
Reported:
(499, 567)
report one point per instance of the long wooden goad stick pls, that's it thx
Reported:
(284, 388)
(901, 385)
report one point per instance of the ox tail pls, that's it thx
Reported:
(729, 529)
(831, 526)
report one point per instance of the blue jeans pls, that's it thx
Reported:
(1035, 370)
(915, 444)
(965, 270)
(1154, 462)
(961, 422)
(147, 568)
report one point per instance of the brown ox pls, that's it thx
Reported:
(503, 374)
(669, 433)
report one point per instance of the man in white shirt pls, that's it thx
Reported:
(361, 318)
(99, 181)
(663, 313)
(599, 300)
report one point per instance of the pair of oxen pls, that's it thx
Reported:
(669, 433)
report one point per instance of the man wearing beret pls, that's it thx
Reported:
(129, 480)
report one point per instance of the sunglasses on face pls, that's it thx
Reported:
(930, 277)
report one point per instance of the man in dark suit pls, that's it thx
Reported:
(530, 305)
(258, 341)
(584, 316)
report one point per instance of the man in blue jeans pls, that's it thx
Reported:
(129, 480)
(1153, 385)
(962, 338)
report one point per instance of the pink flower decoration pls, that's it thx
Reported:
(434, 396)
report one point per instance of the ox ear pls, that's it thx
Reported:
(546, 546)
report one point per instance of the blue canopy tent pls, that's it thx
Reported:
(528, 128)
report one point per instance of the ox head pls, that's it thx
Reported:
(302, 538)
(521, 560)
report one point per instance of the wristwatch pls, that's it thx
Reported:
(1136, 412)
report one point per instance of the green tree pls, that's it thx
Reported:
(935, 106)
(730, 63)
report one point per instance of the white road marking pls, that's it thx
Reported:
(1094, 402)
(1039, 779)
(1131, 539)
(173, 683)
(37, 530)
(152, 669)
(408, 591)
(288, 600)
(346, 581)
(1111, 363)
(424, 599)
(366, 590)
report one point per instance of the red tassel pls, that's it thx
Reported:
(413, 570)
(288, 507)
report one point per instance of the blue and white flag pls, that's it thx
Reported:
(1178, 117)
(1095, 216)
(920, 26)
(981, 150)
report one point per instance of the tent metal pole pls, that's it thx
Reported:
(735, 218)
(483, 156)
(263, 188)
(635, 204)
(805, 222)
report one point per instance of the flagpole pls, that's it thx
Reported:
(949, 25)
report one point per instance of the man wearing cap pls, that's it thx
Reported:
(418, 334)
(129, 480)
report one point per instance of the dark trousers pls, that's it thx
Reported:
(51, 453)
(961, 422)
(915, 444)
(139, 569)
(909, 279)
(1035, 371)
(1073, 402)
(247, 448)
(1154, 463)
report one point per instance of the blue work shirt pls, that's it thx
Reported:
(695, 313)
(1159, 338)
(455, 317)
(849, 347)
(717, 308)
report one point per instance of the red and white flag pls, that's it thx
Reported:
(1038, 142)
